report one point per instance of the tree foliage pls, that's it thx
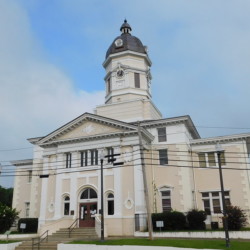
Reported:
(6, 195)
(196, 219)
(173, 220)
(7, 216)
(236, 218)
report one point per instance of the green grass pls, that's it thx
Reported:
(7, 242)
(186, 243)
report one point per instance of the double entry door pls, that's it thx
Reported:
(87, 213)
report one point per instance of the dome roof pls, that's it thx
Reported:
(126, 42)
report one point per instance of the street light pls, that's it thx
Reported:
(102, 212)
(219, 150)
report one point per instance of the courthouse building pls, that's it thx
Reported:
(178, 168)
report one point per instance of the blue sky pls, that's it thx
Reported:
(51, 55)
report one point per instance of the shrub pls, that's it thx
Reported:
(7, 216)
(31, 225)
(236, 218)
(172, 220)
(196, 219)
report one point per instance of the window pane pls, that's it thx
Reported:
(216, 206)
(166, 205)
(227, 201)
(165, 193)
(162, 134)
(66, 198)
(211, 159)
(110, 196)
(226, 193)
(205, 194)
(163, 156)
(84, 194)
(222, 159)
(92, 194)
(137, 80)
(66, 209)
(110, 207)
(202, 160)
(215, 194)
(206, 204)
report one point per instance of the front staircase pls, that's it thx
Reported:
(61, 236)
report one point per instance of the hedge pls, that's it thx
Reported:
(31, 225)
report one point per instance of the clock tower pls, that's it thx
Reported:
(128, 80)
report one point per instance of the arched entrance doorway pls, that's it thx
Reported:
(87, 208)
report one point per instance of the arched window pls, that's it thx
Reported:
(66, 205)
(110, 204)
(166, 199)
(88, 193)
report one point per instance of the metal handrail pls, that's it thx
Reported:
(72, 226)
(40, 239)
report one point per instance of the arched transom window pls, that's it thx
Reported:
(88, 193)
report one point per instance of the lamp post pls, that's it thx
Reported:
(219, 150)
(102, 212)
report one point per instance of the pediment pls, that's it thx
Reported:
(87, 126)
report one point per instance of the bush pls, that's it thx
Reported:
(236, 218)
(7, 217)
(196, 219)
(172, 220)
(31, 225)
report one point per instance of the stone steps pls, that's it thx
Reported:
(61, 236)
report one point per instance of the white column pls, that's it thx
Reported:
(44, 192)
(118, 186)
(73, 184)
(140, 206)
(58, 189)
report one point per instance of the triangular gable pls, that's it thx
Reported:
(88, 125)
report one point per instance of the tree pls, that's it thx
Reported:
(7, 216)
(196, 219)
(6, 195)
(236, 218)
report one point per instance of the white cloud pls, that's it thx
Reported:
(35, 96)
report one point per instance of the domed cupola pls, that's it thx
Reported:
(126, 42)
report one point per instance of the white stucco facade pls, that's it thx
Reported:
(172, 150)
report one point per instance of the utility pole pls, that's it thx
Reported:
(145, 185)
(225, 220)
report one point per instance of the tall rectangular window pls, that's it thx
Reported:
(109, 85)
(162, 135)
(212, 201)
(94, 157)
(27, 209)
(209, 159)
(137, 80)
(68, 160)
(29, 176)
(84, 158)
(166, 200)
(110, 151)
(163, 156)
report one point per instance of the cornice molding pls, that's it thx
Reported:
(220, 139)
(126, 52)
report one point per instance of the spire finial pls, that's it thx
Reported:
(125, 28)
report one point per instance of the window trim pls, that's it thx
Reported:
(64, 204)
(27, 209)
(205, 162)
(68, 160)
(137, 80)
(211, 198)
(163, 159)
(166, 197)
(162, 137)
(108, 204)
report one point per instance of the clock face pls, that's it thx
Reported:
(120, 73)
(118, 42)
